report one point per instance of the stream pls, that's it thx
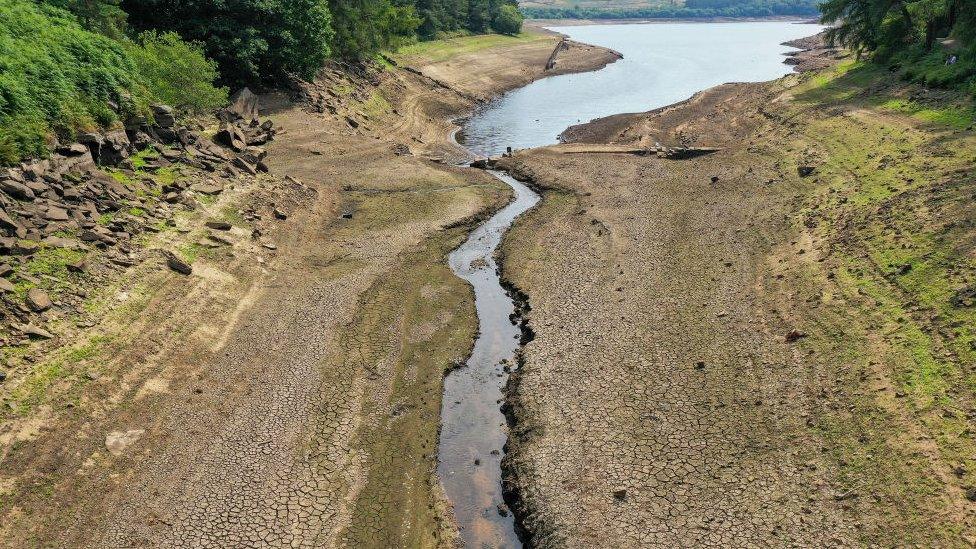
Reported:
(663, 63)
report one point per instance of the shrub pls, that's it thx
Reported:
(177, 72)
(56, 78)
(508, 20)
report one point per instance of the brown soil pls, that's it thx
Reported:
(706, 370)
(284, 395)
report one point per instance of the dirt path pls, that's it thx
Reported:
(289, 396)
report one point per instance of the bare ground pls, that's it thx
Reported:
(284, 395)
(729, 354)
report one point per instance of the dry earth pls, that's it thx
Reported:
(728, 353)
(284, 395)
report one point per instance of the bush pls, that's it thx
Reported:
(57, 79)
(508, 20)
(177, 72)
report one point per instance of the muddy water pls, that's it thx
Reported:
(663, 63)
(473, 429)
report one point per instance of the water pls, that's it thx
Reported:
(663, 64)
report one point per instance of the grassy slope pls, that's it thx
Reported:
(442, 50)
(889, 219)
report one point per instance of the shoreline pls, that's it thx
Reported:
(544, 23)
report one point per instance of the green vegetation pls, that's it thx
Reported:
(928, 41)
(58, 79)
(690, 9)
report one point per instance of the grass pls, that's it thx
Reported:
(436, 51)
(891, 199)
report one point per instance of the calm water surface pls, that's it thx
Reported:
(663, 64)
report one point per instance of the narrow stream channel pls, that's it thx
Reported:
(473, 431)
(663, 64)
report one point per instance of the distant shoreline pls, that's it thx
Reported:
(652, 20)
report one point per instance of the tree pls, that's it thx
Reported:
(508, 20)
(252, 41)
(104, 16)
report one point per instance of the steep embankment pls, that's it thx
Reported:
(769, 345)
(287, 392)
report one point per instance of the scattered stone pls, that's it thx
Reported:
(178, 264)
(794, 335)
(6, 286)
(620, 495)
(78, 266)
(279, 214)
(243, 106)
(16, 190)
(242, 164)
(116, 442)
(38, 300)
(805, 171)
(219, 225)
(37, 332)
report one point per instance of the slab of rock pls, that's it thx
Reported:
(37, 332)
(244, 166)
(207, 187)
(178, 265)
(164, 116)
(17, 190)
(218, 225)
(6, 286)
(38, 300)
(117, 442)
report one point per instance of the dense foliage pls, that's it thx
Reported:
(930, 41)
(57, 78)
(692, 9)
(251, 40)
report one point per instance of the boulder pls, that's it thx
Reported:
(38, 300)
(6, 286)
(804, 171)
(218, 225)
(74, 149)
(115, 148)
(163, 116)
(243, 106)
(231, 136)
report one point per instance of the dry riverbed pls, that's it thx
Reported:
(285, 394)
(771, 345)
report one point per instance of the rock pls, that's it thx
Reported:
(16, 190)
(620, 495)
(254, 155)
(78, 266)
(218, 225)
(243, 106)
(231, 136)
(163, 116)
(38, 300)
(6, 286)
(56, 214)
(794, 335)
(352, 122)
(116, 442)
(115, 148)
(502, 510)
(8, 223)
(279, 214)
(804, 171)
(178, 264)
(37, 332)
(714, 179)
(3, 377)
(244, 166)
(207, 187)
(74, 149)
